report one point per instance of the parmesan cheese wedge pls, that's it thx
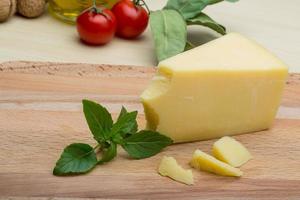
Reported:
(228, 86)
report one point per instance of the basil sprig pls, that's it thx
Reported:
(79, 158)
(168, 26)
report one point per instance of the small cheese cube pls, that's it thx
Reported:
(169, 167)
(205, 162)
(229, 150)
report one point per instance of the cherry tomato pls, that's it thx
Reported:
(96, 26)
(132, 18)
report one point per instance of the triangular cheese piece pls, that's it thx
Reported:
(228, 86)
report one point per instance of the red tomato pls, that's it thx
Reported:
(132, 18)
(96, 26)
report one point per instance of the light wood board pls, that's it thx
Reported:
(41, 113)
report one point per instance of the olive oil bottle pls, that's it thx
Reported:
(68, 10)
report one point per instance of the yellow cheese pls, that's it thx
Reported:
(229, 150)
(169, 167)
(225, 87)
(205, 162)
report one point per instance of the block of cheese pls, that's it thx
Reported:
(228, 86)
(205, 162)
(169, 167)
(229, 150)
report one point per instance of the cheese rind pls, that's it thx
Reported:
(205, 162)
(228, 86)
(169, 167)
(229, 150)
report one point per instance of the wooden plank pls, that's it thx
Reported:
(40, 113)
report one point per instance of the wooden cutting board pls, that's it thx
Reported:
(41, 113)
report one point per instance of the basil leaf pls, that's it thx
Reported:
(108, 153)
(145, 144)
(169, 33)
(188, 8)
(126, 123)
(99, 120)
(76, 158)
(204, 20)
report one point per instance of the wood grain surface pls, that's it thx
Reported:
(40, 113)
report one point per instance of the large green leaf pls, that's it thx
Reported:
(98, 119)
(204, 20)
(145, 144)
(76, 158)
(169, 33)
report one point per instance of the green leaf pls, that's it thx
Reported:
(188, 8)
(98, 119)
(126, 123)
(108, 153)
(76, 158)
(204, 20)
(169, 33)
(145, 144)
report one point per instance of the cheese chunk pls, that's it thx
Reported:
(169, 167)
(225, 87)
(229, 150)
(205, 162)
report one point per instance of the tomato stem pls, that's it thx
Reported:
(143, 3)
(96, 9)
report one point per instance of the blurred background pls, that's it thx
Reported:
(273, 23)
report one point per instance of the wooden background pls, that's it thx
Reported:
(41, 113)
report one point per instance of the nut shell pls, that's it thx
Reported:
(7, 9)
(31, 8)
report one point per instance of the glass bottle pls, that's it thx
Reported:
(68, 10)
